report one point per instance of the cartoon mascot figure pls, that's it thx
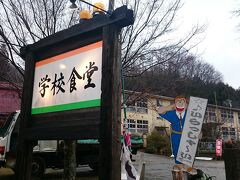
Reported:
(175, 114)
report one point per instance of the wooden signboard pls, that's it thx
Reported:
(68, 81)
(72, 88)
(191, 130)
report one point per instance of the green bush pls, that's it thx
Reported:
(158, 144)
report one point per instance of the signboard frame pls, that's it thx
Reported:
(95, 122)
(64, 124)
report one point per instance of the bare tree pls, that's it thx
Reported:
(148, 42)
(25, 22)
(183, 74)
(144, 45)
(193, 67)
(8, 72)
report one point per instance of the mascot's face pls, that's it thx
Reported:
(180, 104)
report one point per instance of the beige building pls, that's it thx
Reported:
(142, 116)
(227, 118)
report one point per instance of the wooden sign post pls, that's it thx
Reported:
(191, 130)
(72, 90)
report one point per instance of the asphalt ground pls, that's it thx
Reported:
(83, 173)
(157, 168)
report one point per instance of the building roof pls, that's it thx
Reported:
(8, 71)
(146, 94)
(9, 101)
(10, 86)
(224, 107)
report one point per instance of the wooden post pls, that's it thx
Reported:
(23, 170)
(142, 175)
(111, 5)
(141, 167)
(110, 123)
(232, 163)
(69, 159)
(83, 122)
(25, 148)
(179, 175)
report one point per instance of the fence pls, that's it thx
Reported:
(206, 146)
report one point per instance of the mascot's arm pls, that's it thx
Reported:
(166, 112)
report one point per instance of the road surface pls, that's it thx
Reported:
(157, 168)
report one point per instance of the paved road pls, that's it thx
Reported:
(83, 173)
(159, 167)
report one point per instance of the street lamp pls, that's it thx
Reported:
(85, 15)
(73, 5)
(97, 6)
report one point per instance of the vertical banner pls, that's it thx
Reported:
(219, 147)
(191, 130)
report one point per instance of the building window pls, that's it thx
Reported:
(225, 132)
(131, 109)
(131, 124)
(142, 106)
(238, 117)
(227, 116)
(232, 131)
(210, 115)
(139, 106)
(142, 126)
(228, 131)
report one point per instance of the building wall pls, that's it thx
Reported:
(9, 101)
(141, 117)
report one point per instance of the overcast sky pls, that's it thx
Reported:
(221, 45)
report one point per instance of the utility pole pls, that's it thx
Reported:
(111, 5)
(217, 117)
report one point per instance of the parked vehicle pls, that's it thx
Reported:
(49, 154)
